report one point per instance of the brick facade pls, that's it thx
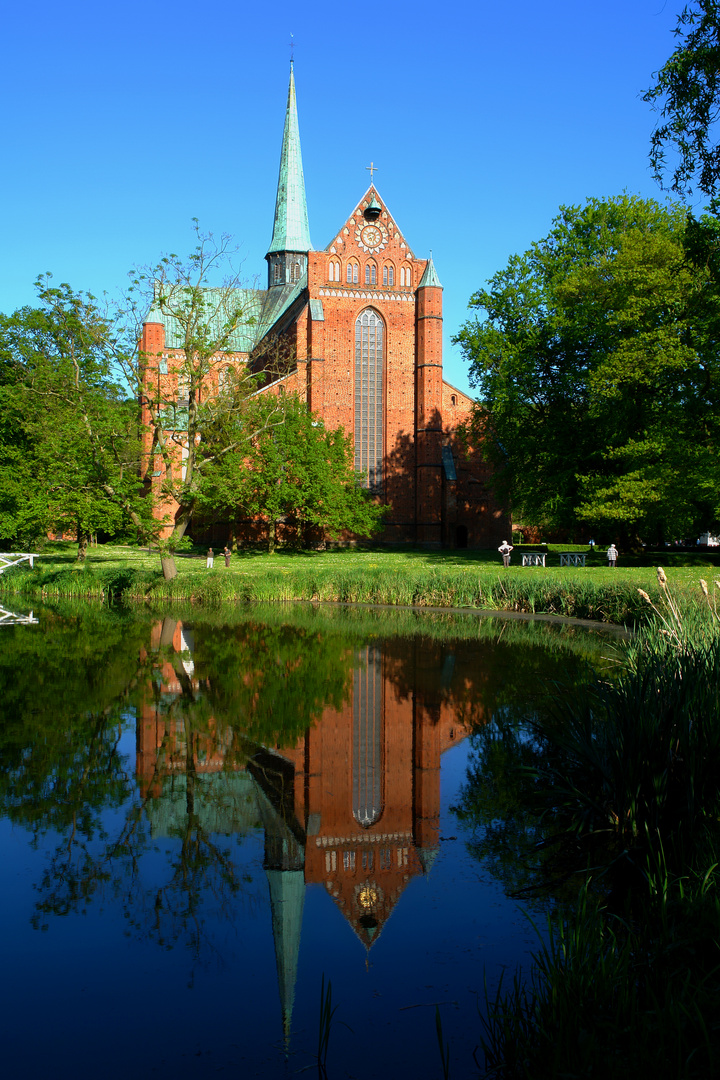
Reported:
(437, 489)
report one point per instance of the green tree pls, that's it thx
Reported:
(599, 376)
(298, 472)
(69, 431)
(686, 93)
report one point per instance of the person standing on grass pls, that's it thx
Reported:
(210, 559)
(227, 553)
(505, 550)
(612, 554)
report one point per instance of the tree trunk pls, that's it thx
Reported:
(271, 536)
(82, 546)
(169, 568)
(167, 560)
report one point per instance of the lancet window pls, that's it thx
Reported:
(369, 358)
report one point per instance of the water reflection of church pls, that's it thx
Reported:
(354, 806)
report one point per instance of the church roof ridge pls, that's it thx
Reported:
(291, 230)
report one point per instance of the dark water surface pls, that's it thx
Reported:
(202, 816)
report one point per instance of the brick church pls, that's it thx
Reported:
(362, 320)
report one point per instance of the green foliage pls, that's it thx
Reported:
(638, 762)
(600, 381)
(71, 455)
(686, 92)
(295, 471)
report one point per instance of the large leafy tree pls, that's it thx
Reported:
(71, 454)
(597, 364)
(297, 472)
(74, 452)
(686, 93)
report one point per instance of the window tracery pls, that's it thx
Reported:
(369, 365)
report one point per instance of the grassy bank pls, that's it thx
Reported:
(426, 579)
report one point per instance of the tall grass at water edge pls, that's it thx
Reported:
(628, 981)
(617, 998)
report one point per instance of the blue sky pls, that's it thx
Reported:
(123, 122)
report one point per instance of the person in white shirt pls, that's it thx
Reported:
(505, 550)
(612, 554)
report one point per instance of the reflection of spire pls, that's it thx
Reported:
(285, 869)
(287, 897)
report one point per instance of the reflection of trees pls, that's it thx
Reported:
(474, 678)
(62, 768)
(497, 802)
(273, 681)
(64, 685)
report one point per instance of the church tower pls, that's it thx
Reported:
(287, 255)
(428, 405)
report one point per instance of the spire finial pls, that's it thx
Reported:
(292, 48)
(371, 168)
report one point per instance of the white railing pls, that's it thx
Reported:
(11, 618)
(14, 558)
(534, 559)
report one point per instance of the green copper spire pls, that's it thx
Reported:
(291, 231)
(430, 276)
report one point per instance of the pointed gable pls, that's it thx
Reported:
(377, 235)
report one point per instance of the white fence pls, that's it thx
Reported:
(14, 558)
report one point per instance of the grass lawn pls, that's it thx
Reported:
(474, 579)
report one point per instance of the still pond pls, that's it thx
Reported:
(203, 815)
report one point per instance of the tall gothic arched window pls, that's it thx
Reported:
(369, 356)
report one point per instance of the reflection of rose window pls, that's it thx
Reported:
(368, 897)
(367, 740)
